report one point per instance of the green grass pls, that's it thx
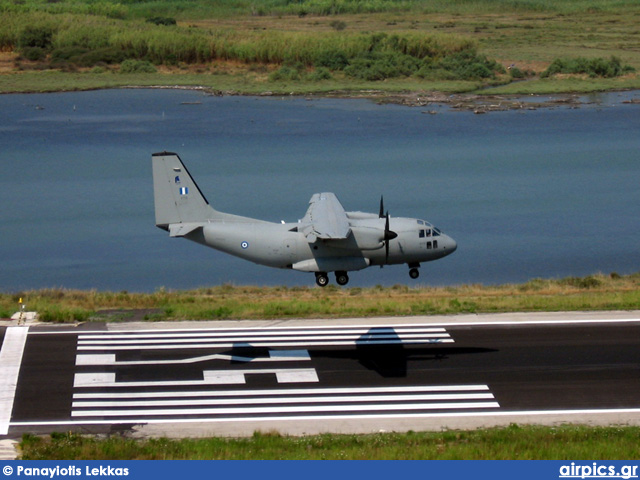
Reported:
(566, 85)
(514, 442)
(56, 81)
(225, 8)
(596, 292)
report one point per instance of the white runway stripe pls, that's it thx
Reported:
(270, 410)
(240, 338)
(301, 328)
(13, 344)
(288, 391)
(262, 344)
(265, 332)
(306, 399)
(247, 343)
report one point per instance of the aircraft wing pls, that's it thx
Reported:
(325, 218)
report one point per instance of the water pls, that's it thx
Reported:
(545, 193)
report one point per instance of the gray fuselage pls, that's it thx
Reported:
(281, 245)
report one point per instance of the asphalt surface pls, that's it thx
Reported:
(303, 377)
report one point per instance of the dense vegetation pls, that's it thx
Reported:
(514, 442)
(596, 292)
(359, 55)
(278, 41)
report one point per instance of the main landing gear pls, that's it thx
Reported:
(413, 270)
(342, 278)
(322, 279)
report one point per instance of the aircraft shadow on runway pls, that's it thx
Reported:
(392, 361)
(381, 350)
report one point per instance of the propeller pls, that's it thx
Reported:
(388, 235)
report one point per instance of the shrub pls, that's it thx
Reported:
(64, 315)
(137, 66)
(333, 60)
(583, 283)
(166, 21)
(34, 53)
(465, 65)
(86, 57)
(516, 73)
(594, 67)
(381, 65)
(319, 74)
(35, 37)
(288, 72)
(106, 55)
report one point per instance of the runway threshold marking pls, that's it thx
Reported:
(15, 339)
(100, 395)
(346, 402)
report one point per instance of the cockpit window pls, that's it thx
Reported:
(429, 230)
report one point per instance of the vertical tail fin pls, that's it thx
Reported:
(177, 196)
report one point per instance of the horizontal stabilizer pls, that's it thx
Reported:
(182, 229)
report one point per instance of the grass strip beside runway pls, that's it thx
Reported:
(595, 292)
(513, 442)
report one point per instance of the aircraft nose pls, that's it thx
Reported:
(451, 245)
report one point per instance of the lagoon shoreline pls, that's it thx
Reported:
(477, 102)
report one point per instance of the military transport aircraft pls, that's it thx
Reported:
(326, 239)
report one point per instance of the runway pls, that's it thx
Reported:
(302, 377)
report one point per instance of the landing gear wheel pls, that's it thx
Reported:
(342, 278)
(414, 273)
(322, 279)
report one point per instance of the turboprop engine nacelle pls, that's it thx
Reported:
(361, 238)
